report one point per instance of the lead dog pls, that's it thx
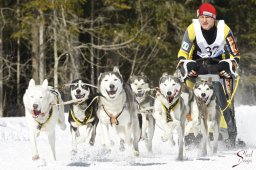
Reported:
(82, 115)
(205, 114)
(170, 109)
(42, 113)
(117, 110)
(140, 86)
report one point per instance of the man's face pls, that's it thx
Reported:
(206, 22)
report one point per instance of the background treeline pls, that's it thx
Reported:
(62, 40)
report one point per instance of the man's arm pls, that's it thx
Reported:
(187, 43)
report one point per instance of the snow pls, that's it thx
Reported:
(15, 151)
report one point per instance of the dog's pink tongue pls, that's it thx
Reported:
(170, 98)
(36, 112)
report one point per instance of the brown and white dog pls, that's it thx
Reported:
(42, 114)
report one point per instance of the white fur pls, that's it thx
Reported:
(80, 90)
(41, 96)
(170, 85)
(140, 87)
(213, 119)
(116, 101)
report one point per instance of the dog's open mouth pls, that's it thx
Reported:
(111, 92)
(36, 113)
(140, 94)
(204, 99)
(170, 98)
(79, 96)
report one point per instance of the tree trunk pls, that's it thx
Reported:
(92, 41)
(18, 98)
(56, 61)
(34, 56)
(1, 73)
(41, 48)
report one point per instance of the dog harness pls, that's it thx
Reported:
(168, 110)
(113, 119)
(39, 126)
(87, 117)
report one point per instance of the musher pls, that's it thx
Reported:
(209, 47)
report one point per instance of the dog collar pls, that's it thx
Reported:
(39, 126)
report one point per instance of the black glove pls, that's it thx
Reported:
(224, 69)
(192, 66)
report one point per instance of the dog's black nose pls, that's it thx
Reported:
(35, 106)
(203, 94)
(78, 91)
(169, 93)
(111, 86)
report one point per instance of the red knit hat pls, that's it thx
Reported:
(207, 10)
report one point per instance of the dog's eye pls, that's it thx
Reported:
(173, 84)
(199, 88)
(115, 79)
(208, 89)
(41, 97)
(165, 84)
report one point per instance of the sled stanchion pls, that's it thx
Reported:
(229, 102)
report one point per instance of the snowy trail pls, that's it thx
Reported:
(15, 150)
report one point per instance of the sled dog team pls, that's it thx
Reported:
(131, 109)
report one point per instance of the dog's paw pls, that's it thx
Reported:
(122, 148)
(63, 126)
(172, 142)
(91, 142)
(35, 157)
(73, 152)
(136, 153)
(164, 138)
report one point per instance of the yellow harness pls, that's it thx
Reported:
(86, 119)
(168, 110)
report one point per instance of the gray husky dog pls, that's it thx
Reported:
(140, 86)
(117, 110)
(170, 109)
(205, 113)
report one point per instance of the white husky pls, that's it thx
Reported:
(117, 110)
(205, 115)
(140, 86)
(170, 109)
(42, 115)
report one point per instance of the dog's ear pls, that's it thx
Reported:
(116, 69)
(32, 83)
(45, 84)
(99, 77)
(131, 78)
(164, 74)
(210, 79)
